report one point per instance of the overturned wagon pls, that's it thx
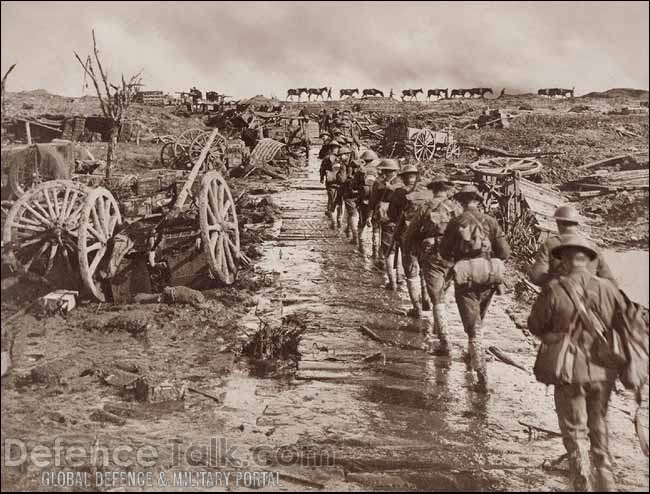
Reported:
(174, 227)
(524, 208)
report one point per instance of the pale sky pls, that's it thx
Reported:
(249, 48)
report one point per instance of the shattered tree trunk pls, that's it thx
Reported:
(4, 79)
(112, 145)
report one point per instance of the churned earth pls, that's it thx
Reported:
(357, 414)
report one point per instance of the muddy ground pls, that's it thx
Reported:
(377, 417)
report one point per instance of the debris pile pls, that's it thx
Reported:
(272, 343)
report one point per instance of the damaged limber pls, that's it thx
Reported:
(122, 242)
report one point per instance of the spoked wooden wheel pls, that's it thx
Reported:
(214, 158)
(184, 141)
(219, 227)
(501, 167)
(167, 155)
(424, 145)
(453, 150)
(41, 228)
(100, 217)
(25, 175)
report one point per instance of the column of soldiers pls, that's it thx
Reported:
(423, 230)
(417, 236)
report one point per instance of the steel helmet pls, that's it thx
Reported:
(408, 169)
(575, 242)
(369, 155)
(567, 214)
(388, 164)
(439, 179)
(469, 190)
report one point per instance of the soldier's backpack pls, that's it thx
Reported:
(476, 266)
(438, 214)
(474, 238)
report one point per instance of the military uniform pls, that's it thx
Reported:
(329, 172)
(376, 193)
(581, 405)
(547, 267)
(350, 197)
(425, 234)
(390, 206)
(473, 300)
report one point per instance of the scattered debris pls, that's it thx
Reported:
(270, 343)
(6, 363)
(60, 301)
(184, 295)
(503, 357)
(103, 416)
(218, 399)
(135, 323)
(532, 427)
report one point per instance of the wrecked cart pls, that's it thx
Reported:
(127, 233)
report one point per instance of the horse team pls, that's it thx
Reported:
(412, 94)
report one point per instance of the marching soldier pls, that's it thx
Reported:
(389, 217)
(363, 183)
(325, 148)
(547, 267)
(376, 192)
(350, 197)
(473, 235)
(405, 201)
(581, 399)
(370, 161)
(329, 169)
(425, 235)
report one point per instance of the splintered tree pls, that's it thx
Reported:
(4, 79)
(113, 100)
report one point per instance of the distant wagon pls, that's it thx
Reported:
(423, 144)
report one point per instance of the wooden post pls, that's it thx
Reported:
(28, 130)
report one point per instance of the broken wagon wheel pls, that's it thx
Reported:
(167, 155)
(214, 159)
(424, 145)
(25, 175)
(453, 150)
(183, 142)
(219, 227)
(501, 167)
(100, 217)
(41, 227)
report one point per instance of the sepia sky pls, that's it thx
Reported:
(249, 48)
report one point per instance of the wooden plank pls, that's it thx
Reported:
(28, 131)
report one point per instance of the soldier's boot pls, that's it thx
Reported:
(376, 242)
(355, 237)
(438, 326)
(414, 295)
(429, 343)
(579, 470)
(477, 360)
(360, 243)
(390, 272)
(603, 475)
